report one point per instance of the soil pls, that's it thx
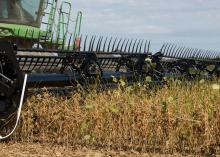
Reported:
(47, 150)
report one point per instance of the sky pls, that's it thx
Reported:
(192, 23)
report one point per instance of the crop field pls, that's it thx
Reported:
(177, 118)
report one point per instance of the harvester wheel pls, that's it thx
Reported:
(11, 80)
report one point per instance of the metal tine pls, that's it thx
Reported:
(80, 42)
(122, 45)
(178, 51)
(85, 41)
(181, 52)
(194, 53)
(216, 55)
(168, 50)
(117, 48)
(202, 54)
(97, 46)
(161, 50)
(183, 55)
(93, 43)
(103, 49)
(137, 47)
(113, 46)
(100, 44)
(126, 46)
(213, 54)
(172, 50)
(146, 45)
(130, 44)
(189, 53)
(109, 44)
(90, 43)
(134, 46)
(198, 54)
(68, 48)
(207, 54)
(140, 47)
(167, 45)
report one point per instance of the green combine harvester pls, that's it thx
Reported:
(37, 49)
(25, 22)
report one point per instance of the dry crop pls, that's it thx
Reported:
(178, 117)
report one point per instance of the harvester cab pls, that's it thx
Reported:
(25, 22)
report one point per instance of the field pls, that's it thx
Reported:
(177, 118)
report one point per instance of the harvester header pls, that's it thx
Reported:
(58, 58)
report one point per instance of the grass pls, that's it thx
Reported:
(178, 117)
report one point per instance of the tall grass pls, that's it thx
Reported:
(180, 116)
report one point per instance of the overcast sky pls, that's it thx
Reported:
(194, 23)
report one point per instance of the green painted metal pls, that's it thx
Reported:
(78, 24)
(64, 19)
(50, 10)
(20, 31)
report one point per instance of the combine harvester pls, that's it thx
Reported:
(37, 54)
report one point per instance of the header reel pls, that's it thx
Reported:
(95, 58)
